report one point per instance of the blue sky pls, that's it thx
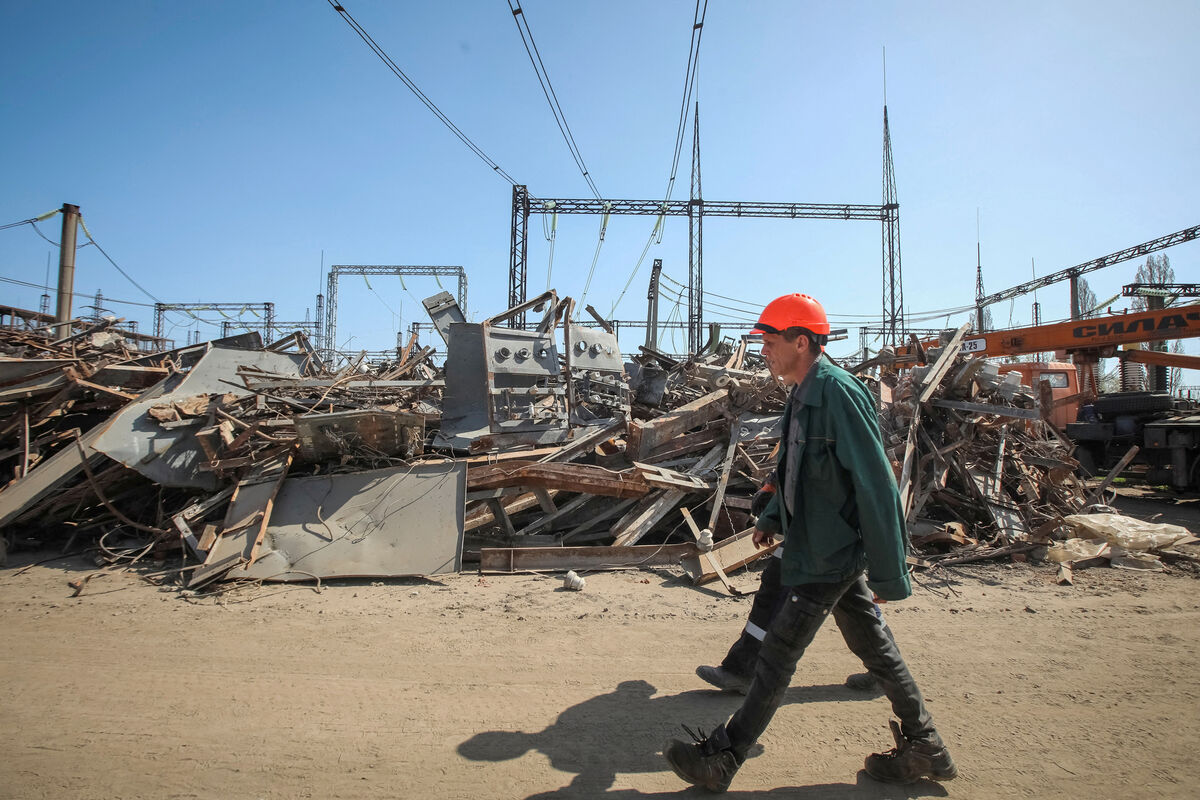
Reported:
(217, 149)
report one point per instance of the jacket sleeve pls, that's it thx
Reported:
(769, 521)
(859, 450)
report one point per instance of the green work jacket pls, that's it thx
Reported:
(847, 508)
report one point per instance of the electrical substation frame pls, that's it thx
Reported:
(267, 317)
(695, 209)
(329, 336)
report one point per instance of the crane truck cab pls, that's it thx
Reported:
(1063, 380)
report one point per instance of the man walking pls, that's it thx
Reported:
(838, 505)
(736, 670)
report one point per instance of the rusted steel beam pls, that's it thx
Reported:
(566, 477)
(518, 559)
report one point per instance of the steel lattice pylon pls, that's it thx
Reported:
(329, 337)
(893, 284)
(695, 247)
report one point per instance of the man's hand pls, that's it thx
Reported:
(878, 601)
(761, 538)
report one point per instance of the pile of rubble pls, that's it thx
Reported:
(535, 447)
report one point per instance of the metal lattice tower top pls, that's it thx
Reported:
(893, 291)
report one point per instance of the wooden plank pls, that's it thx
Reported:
(522, 559)
(549, 519)
(641, 519)
(186, 534)
(643, 437)
(726, 466)
(949, 353)
(1097, 494)
(706, 560)
(663, 478)
(211, 572)
(583, 444)
(567, 477)
(736, 551)
(545, 501)
(485, 516)
(249, 511)
(501, 516)
(613, 510)
(688, 443)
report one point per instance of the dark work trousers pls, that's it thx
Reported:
(791, 631)
(771, 593)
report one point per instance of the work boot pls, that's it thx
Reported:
(862, 682)
(910, 761)
(724, 679)
(706, 761)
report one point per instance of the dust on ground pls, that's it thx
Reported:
(475, 686)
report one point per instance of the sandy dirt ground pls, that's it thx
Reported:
(512, 687)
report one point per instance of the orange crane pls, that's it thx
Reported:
(1165, 430)
(1087, 339)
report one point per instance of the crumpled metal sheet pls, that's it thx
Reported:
(394, 522)
(172, 457)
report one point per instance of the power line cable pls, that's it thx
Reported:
(128, 277)
(387, 60)
(689, 83)
(543, 76)
(31, 220)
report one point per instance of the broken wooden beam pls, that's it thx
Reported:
(566, 477)
(729, 554)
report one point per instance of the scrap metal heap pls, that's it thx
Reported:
(531, 449)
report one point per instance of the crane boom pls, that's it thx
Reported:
(1097, 333)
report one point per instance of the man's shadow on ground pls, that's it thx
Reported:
(624, 731)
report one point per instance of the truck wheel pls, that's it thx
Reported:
(1133, 403)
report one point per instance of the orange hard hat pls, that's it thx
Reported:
(794, 311)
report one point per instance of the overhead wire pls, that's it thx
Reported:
(689, 83)
(379, 297)
(127, 276)
(543, 76)
(595, 257)
(399, 73)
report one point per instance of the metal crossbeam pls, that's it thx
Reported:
(266, 323)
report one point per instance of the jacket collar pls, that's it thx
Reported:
(815, 391)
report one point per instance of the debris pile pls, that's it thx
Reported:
(535, 447)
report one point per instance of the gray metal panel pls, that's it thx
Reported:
(465, 402)
(383, 523)
(517, 352)
(171, 457)
(444, 311)
(592, 348)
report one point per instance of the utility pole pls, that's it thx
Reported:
(66, 270)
